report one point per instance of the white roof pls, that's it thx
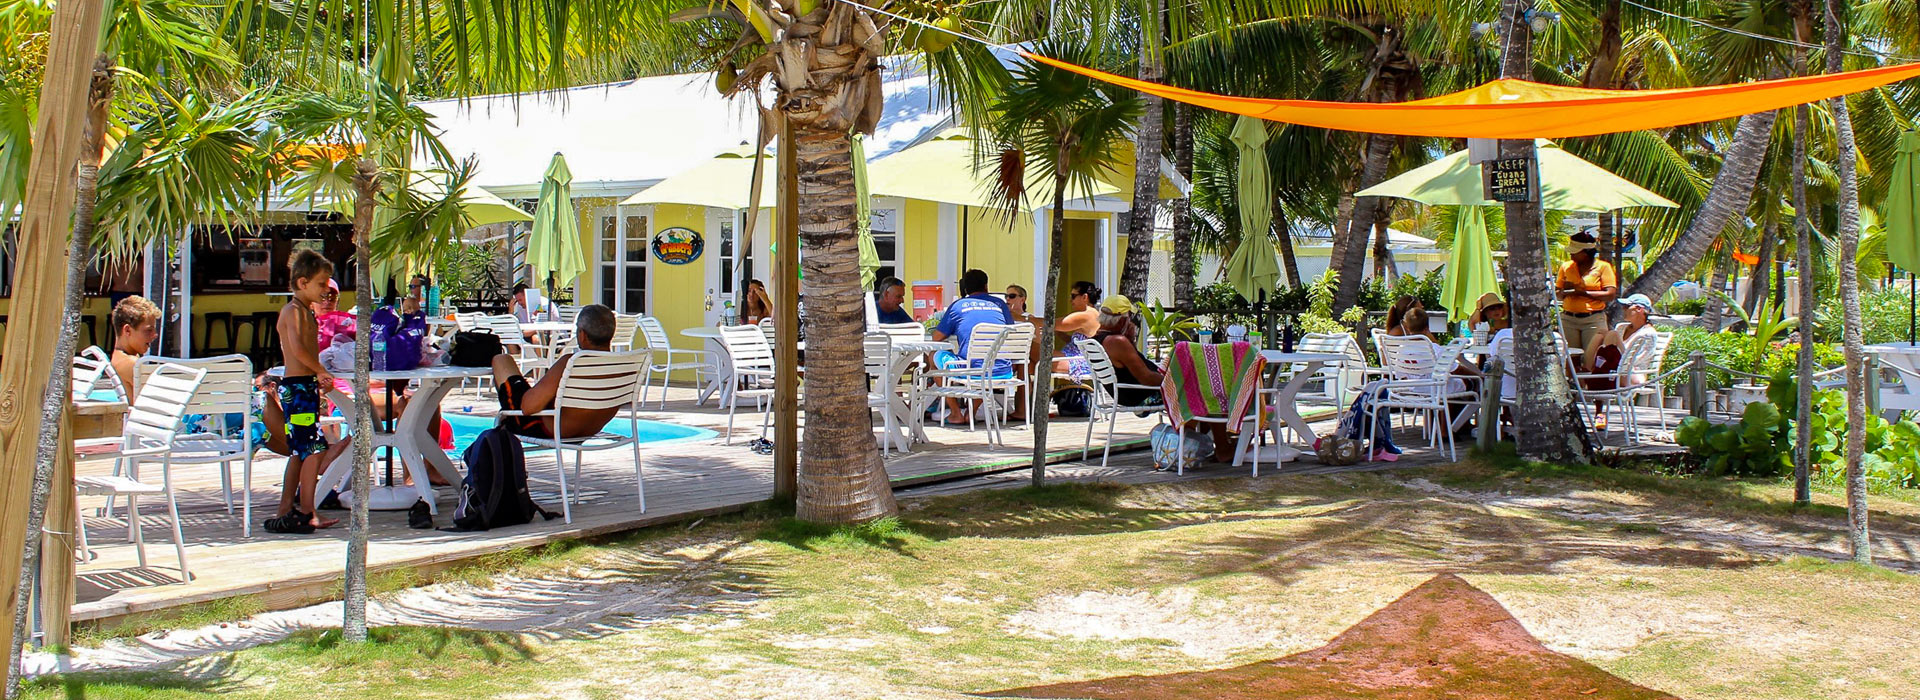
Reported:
(621, 137)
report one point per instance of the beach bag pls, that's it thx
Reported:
(404, 335)
(473, 349)
(494, 492)
(1073, 401)
(379, 330)
(1165, 442)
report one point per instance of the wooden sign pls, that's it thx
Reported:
(1512, 180)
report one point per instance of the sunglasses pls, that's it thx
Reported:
(1016, 296)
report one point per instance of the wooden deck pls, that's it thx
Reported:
(685, 481)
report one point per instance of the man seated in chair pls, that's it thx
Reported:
(594, 330)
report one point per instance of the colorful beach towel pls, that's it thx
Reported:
(1213, 381)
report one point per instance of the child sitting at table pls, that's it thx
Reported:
(300, 391)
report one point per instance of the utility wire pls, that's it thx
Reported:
(1764, 37)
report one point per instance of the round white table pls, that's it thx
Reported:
(723, 374)
(904, 353)
(412, 435)
(1285, 403)
(545, 326)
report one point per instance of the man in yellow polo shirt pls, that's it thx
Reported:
(1585, 285)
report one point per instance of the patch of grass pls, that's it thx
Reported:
(884, 533)
(1501, 468)
(405, 647)
(183, 617)
(1848, 569)
(1637, 528)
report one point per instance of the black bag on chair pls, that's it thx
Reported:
(473, 349)
(1073, 401)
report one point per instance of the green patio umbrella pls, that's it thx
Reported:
(1567, 183)
(1902, 217)
(863, 213)
(1253, 269)
(553, 248)
(1470, 271)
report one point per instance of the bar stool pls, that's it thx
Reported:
(211, 320)
(266, 338)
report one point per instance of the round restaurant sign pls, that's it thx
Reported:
(678, 246)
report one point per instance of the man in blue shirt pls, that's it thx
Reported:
(891, 301)
(974, 307)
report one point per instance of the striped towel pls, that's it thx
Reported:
(1212, 381)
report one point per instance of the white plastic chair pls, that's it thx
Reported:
(751, 369)
(883, 387)
(1639, 360)
(226, 389)
(1106, 396)
(151, 429)
(625, 327)
(470, 321)
(93, 371)
(989, 345)
(1418, 377)
(594, 381)
(703, 364)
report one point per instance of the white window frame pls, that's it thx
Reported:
(619, 282)
(896, 209)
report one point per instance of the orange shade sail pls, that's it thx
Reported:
(1519, 109)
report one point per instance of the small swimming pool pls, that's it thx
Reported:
(467, 426)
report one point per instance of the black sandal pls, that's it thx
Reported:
(293, 523)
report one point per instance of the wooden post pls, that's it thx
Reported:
(39, 284)
(786, 324)
(1697, 384)
(1490, 402)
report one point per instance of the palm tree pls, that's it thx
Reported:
(1139, 219)
(1068, 129)
(1850, 300)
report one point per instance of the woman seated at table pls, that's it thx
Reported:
(594, 330)
(757, 304)
(1492, 311)
(1131, 366)
(1605, 351)
(1397, 314)
(1466, 377)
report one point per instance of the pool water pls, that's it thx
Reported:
(467, 426)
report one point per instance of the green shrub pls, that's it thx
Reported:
(1686, 307)
(1884, 316)
(1754, 446)
(1723, 349)
(1892, 458)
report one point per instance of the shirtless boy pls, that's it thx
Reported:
(300, 396)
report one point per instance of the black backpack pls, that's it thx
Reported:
(473, 349)
(494, 494)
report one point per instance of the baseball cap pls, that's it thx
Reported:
(1639, 300)
(1116, 304)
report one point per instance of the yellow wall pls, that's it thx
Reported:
(920, 242)
(1000, 247)
(677, 293)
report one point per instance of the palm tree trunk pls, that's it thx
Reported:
(841, 476)
(1183, 268)
(1551, 426)
(1283, 237)
(1383, 265)
(1732, 190)
(1148, 145)
(1762, 279)
(48, 449)
(366, 184)
(1037, 414)
(1803, 262)
(1365, 211)
(1342, 220)
(1714, 314)
(1857, 534)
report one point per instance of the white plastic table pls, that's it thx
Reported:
(722, 382)
(545, 326)
(412, 435)
(1285, 404)
(904, 353)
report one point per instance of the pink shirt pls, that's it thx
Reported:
(331, 323)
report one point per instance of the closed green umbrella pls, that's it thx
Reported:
(1253, 268)
(1902, 215)
(863, 214)
(553, 248)
(1470, 272)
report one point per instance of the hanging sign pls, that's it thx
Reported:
(1511, 179)
(678, 246)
